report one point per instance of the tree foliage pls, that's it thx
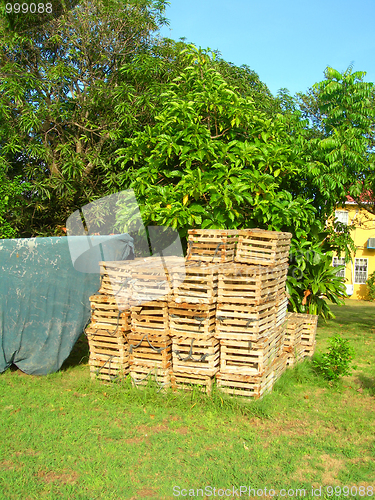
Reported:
(58, 88)
(213, 159)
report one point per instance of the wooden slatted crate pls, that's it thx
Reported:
(212, 245)
(143, 375)
(261, 247)
(140, 279)
(195, 284)
(293, 331)
(150, 317)
(246, 284)
(105, 309)
(200, 357)
(254, 386)
(115, 277)
(241, 322)
(192, 320)
(150, 350)
(109, 353)
(251, 358)
(187, 381)
(310, 324)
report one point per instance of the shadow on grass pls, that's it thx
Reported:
(367, 383)
(79, 355)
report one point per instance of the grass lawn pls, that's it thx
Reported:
(64, 436)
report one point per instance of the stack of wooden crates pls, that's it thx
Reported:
(220, 314)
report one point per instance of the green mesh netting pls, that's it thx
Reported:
(44, 299)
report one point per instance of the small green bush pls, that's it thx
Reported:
(371, 286)
(336, 362)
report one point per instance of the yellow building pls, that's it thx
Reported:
(362, 264)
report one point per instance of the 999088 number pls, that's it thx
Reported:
(32, 8)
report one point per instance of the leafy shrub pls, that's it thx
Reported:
(371, 286)
(312, 280)
(336, 362)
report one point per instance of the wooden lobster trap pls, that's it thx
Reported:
(254, 386)
(109, 352)
(241, 322)
(293, 330)
(150, 350)
(261, 247)
(195, 284)
(200, 357)
(187, 381)
(212, 245)
(246, 284)
(143, 375)
(106, 310)
(310, 324)
(196, 321)
(150, 317)
(251, 358)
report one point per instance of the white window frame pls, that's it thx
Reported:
(339, 216)
(336, 261)
(357, 264)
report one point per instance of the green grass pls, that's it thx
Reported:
(64, 436)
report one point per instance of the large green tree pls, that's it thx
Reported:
(59, 87)
(340, 140)
(213, 158)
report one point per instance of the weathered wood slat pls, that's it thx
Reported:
(254, 386)
(241, 322)
(251, 358)
(258, 246)
(211, 245)
(187, 381)
(201, 357)
(196, 284)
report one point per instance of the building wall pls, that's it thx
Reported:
(364, 228)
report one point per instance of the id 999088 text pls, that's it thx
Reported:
(28, 8)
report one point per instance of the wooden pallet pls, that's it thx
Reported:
(212, 245)
(200, 357)
(245, 284)
(240, 322)
(254, 386)
(187, 381)
(196, 321)
(150, 350)
(105, 310)
(195, 284)
(258, 246)
(251, 358)
(143, 375)
(150, 317)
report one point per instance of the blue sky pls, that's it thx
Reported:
(288, 43)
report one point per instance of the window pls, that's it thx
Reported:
(360, 271)
(339, 262)
(342, 216)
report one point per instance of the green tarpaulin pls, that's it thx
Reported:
(45, 285)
